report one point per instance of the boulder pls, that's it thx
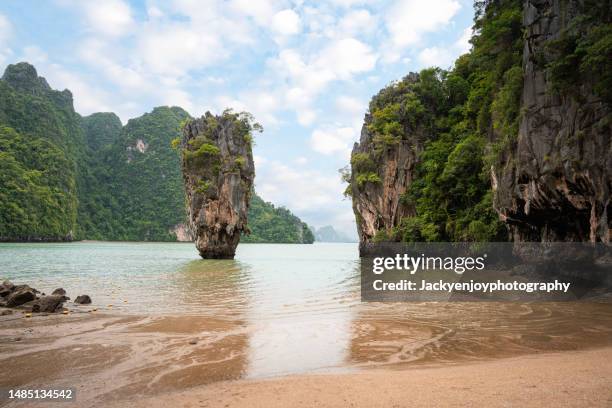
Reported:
(82, 300)
(6, 288)
(49, 304)
(20, 295)
(59, 291)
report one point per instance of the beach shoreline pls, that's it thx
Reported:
(186, 361)
(562, 379)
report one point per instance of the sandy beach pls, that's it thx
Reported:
(186, 361)
(569, 379)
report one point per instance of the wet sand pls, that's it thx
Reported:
(148, 361)
(569, 379)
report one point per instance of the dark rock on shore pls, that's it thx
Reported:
(82, 300)
(6, 288)
(49, 304)
(19, 295)
(31, 299)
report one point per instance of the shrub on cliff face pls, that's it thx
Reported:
(583, 50)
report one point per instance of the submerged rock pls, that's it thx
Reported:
(82, 300)
(218, 172)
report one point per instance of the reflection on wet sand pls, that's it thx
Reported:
(107, 357)
(391, 334)
(110, 357)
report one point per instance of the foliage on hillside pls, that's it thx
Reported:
(34, 203)
(456, 113)
(139, 194)
(67, 177)
(271, 224)
(40, 142)
(101, 129)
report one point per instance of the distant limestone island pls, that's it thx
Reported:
(329, 234)
(65, 177)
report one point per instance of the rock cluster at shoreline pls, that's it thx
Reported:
(28, 298)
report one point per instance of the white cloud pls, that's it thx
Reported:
(259, 161)
(408, 20)
(301, 160)
(154, 12)
(174, 49)
(284, 185)
(350, 3)
(307, 76)
(445, 56)
(261, 11)
(34, 55)
(87, 97)
(463, 43)
(109, 17)
(339, 60)
(261, 104)
(351, 106)
(286, 22)
(347, 57)
(356, 22)
(333, 140)
(435, 56)
(6, 31)
(306, 116)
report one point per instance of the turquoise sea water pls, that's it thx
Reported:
(166, 278)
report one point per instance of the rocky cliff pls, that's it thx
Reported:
(416, 171)
(377, 189)
(556, 182)
(218, 173)
(513, 143)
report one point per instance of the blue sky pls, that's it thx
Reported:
(306, 70)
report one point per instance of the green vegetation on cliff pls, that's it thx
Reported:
(583, 50)
(101, 129)
(40, 143)
(37, 200)
(140, 195)
(449, 117)
(270, 224)
(65, 177)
